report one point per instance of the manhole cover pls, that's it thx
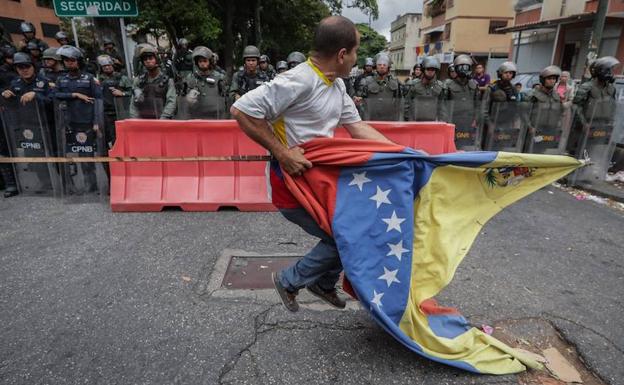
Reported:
(254, 272)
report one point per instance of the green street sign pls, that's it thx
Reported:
(96, 8)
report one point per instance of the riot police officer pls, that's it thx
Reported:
(61, 38)
(250, 77)
(294, 59)
(501, 112)
(369, 66)
(110, 50)
(461, 104)
(267, 67)
(381, 92)
(35, 53)
(166, 64)
(114, 85)
(183, 59)
(204, 90)
(425, 95)
(80, 118)
(545, 115)
(28, 30)
(52, 67)
(153, 92)
(25, 124)
(281, 66)
(7, 71)
(595, 106)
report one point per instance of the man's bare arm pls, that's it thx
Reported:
(291, 159)
(361, 130)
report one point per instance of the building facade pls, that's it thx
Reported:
(404, 38)
(558, 32)
(453, 27)
(38, 12)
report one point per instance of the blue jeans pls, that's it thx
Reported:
(320, 265)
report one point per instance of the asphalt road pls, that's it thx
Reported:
(92, 297)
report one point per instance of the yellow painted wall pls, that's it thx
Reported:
(471, 35)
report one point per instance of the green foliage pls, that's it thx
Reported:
(368, 7)
(371, 43)
(181, 18)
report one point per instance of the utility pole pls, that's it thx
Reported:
(597, 29)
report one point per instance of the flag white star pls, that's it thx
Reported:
(396, 249)
(394, 222)
(359, 179)
(389, 276)
(381, 197)
(377, 298)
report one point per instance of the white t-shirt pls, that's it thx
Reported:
(301, 104)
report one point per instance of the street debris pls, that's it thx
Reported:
(186, 278)
(560, 367)
(582, 195)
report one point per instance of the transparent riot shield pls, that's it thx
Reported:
(382, 108)
(193, 107)
(506, 127)
(149, 108)
(28, 135)
(463, 114)
(598, 138)
(82, 138)
(122, 107)
(423, 108)
(548, 128)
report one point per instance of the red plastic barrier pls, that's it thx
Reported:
(207, 186)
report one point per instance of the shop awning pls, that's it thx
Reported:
(438, 29)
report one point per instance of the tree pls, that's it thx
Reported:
(368, 7)
(371, 43)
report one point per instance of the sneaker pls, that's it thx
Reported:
(331, 297)
(289, 299)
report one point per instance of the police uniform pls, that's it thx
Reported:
(122, 83)
(424, 100)
(183, 63)
(501, 112)
(545, 114)
(595, 108)
(51, 75)
(159, 97)
(243, 82)
(204, 95)
(383, 97)
(460, 107)
(79, 118)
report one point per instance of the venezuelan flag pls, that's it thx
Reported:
(403, 221)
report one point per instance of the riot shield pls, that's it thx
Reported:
(210, 108)
(381, 108)
(548, 128)
(122, 107)
(423, 108)
(506, 127)
(467, 129)
(28, 135)
(78, 139)
(597, 142)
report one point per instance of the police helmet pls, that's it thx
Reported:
(507, 66)
(369, 62)
(27, 26)
(430, 62)
(201, 51)
(69, 51)
(383, 58)
(548, 72)
(295, 58)
(107, 40)
(264, 58)
(8, 51)
(60, 35)
(50, 53)
(281, 65)
(32, 45)
(463, 65)
(148, 50)
(183, 42)
(22, 58)
(602, 68)
(251, 51)
(104, 60)
(450, 69)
